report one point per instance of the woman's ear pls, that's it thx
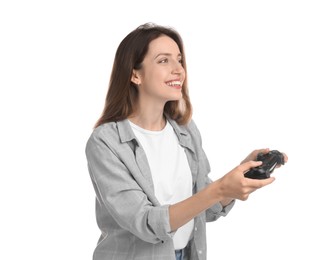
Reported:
(136, 77)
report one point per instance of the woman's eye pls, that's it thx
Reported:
(163, 61)
(166, 60)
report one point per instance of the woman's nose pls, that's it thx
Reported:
(177, 68)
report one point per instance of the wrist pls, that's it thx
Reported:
(215, 191)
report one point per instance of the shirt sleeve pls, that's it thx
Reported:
(121, 196)
(217, 210)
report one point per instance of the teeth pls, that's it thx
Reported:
(174, 83)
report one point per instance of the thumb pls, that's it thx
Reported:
(250, 164)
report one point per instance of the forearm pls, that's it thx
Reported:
(182, 212)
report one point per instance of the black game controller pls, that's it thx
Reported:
(270, 160)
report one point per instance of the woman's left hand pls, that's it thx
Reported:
(253, 155)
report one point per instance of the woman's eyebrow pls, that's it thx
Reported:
(166, 54)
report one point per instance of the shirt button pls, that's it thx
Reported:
(195, 229)
(200, 252)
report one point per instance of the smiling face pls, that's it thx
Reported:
(161, 76)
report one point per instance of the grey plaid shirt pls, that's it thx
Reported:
(133, 224)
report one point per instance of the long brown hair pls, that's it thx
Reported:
(122, 93)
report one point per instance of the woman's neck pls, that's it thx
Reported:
(149, 120)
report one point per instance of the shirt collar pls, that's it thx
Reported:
(182, 133)
(125, 131)
(126, 134)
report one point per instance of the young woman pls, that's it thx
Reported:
(146, 161)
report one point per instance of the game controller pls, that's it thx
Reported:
(270, 161)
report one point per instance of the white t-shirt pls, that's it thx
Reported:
(170, 171)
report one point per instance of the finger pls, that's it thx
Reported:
(248, 165)
(257, 184)
(285, 159)
(263, 151)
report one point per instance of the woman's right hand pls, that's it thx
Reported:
(234, 185)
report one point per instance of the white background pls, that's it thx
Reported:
(250, 66)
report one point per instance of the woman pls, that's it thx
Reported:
(146, 160)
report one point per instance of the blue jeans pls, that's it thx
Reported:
(179, 254)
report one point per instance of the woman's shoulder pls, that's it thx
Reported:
(111, 134)
(103, 134)
(104, 130)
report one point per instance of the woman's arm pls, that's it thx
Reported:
(231, 186)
